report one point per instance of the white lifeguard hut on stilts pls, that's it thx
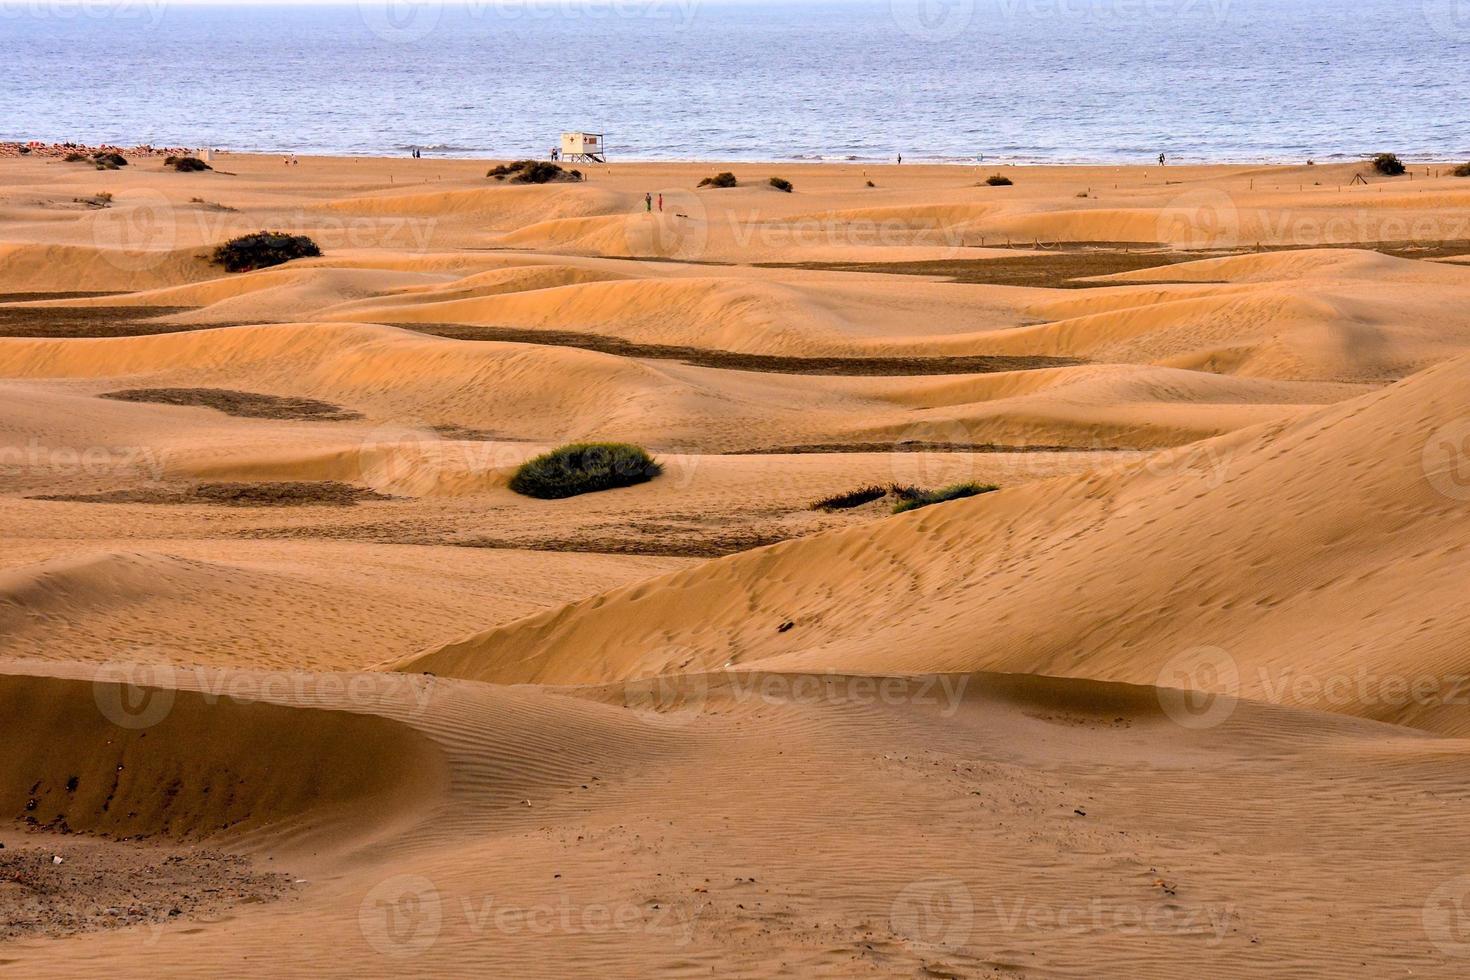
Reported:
(583, 148)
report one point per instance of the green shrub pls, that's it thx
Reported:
(107, 160)
(999, 180)
(781, 184)
(1463, 170)
(1389, 164)
(533, 172)
(584, 467)
(723, 179)
(185, 165)
(262, 250)
(953, 492)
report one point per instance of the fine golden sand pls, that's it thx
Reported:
(1188, 696)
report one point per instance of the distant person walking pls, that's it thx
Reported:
(900, 158)
(648, 203)
(1162, 158)
(660, 203)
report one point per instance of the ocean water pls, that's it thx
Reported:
(1016, 80)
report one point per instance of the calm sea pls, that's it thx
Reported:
(1021, 80)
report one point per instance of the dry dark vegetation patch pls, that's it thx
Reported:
(1463, 170)
(722, 179)
(998, 180)
(850, 499)
(463, 433)
(902, 497)
(665, 535)
(212, 205)
(1072, 265)
(533, 172)
(246, 404)
(669, 540)
(109, 885)
(918, 446)
(734, 361)
(36, 297)
(263, 249)
(85, 321)
(326, 493)
(781, 184)
(1061, 269)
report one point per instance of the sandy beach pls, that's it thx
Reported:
(1187, 695)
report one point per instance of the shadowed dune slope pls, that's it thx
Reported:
(109, 757)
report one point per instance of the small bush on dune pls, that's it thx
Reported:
(107, 160)
(262, 250)
(75, 157)
(723, 179)
(781, 184)
(186, 165)
(533, 172)
(1389, 164)
(850, 499)
(503, 170)
(953, 492)
(584, 467)
(1463, 170)
(871, 184)
(211, 205)
(999, 180)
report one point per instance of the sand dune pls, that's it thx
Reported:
(1027, 581)
(296, 683)
(508, 828)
